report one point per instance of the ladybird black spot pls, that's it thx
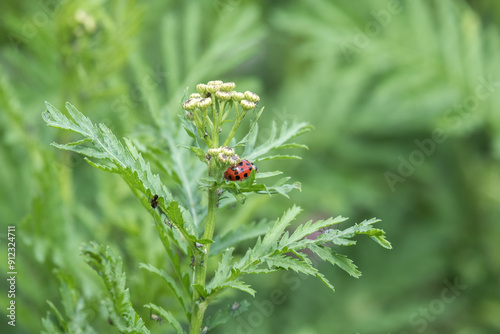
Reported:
(237, 177)
(245, 175)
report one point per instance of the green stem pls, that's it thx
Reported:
(235, 127)
(198, 305)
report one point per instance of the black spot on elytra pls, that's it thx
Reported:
(237, 177)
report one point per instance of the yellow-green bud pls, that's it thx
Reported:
(190, 104)
(227, 150)
(223, 157)
(215, 82)
(214, 151)
(247, 105)
(251, 96)
(195, 95)
(201, 88)
(234, 159)
(204, 103)
(189, 115)
(227, 86)
(237, 96)
(212, 88)
(224, 96)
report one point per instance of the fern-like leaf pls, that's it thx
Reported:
(124, 160)
(169, 317)
(120, 308)
(179, 293)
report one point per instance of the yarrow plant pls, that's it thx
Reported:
(185, 227)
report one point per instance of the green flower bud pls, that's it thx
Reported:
(227, 86)
(224, 96)
(227, 150)
(251, 96)
(223, 158)
(215, 82)
(204, 103)
(201, 88)
(214, 151)
(234, 159)
(195, 95)
(213, 88)
(247, 105)
(189, 115)
(190, 104)
(237, 96)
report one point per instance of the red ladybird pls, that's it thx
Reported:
(239, 171)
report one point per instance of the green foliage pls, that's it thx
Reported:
(76, 318)
(181, 239)
(271, 252)
(373, 77)
(118, 304)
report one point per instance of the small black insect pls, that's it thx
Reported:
(154, 201)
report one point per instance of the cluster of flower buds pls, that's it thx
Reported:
(223, 91)
(225, 154)
(196, 101)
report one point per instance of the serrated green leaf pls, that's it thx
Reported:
(267, 174)
(242, 233)
(382, 241)
(239, 285)
(62, 322)
(325, 281)
(304, 230)
(197, 151)
(278, 157)
(223, 272)
(109, 267)
(276, 141)
(334, 258)
(176, 217)
(182, 298)
(270, 240)
(169, 317)
(100, 143)
(287, 262)
(100, 166)
(201, 290)
(292, 145)
(224, 314)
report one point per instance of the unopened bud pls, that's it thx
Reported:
(234, 159)
(201, 88)
(224, 96)
(212, 88)
(223, 157)
(215, 82)
(214, 151)
(195, 95)
(227, 150)
(245, 104)
(237, 96)
(190, 104)
(251, 96)
(227, 86)
(204, 103)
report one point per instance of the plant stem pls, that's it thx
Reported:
(199, 306)
(233, 129)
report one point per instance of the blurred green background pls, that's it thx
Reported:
(405, 98)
